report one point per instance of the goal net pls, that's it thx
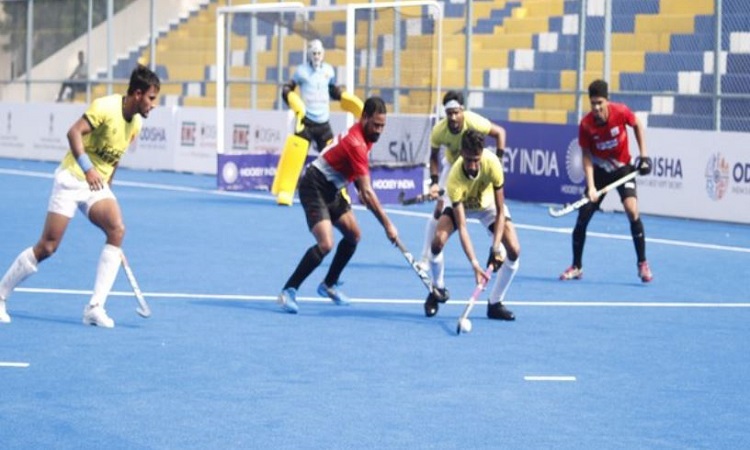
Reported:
(391, 50)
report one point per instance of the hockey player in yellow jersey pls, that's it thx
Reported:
(97, 141)
(475, 189)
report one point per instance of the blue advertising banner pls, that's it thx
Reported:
(542, 162)
(255, 172)
(388, 182)
(246, 172)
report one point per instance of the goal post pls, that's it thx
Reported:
(390, 49)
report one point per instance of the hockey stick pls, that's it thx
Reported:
(143, 309)
(424, 276)
(463, 321)
(570, 207)
(421, 198)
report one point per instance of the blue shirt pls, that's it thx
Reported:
(313, 84)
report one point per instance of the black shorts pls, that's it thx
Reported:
(603, 178)
(320, 198)
(318, 133)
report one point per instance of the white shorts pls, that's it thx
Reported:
(69, 193)
(487, 217)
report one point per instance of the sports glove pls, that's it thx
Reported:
(496, 258)
(643, 165)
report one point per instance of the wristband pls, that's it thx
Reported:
(433, 179)
(85, 162)
(474, 262)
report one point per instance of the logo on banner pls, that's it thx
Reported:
(574, 162)
(9, 123)
(153, 138)
(187, 135)
(403, 150)
(208, 135)
(267, 135)
(51, 124)
(267, 140)
(240, 137)
(391, 184)
(229, 172)
(717, 176)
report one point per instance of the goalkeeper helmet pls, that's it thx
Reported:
(315, 52)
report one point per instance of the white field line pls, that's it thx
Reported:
(400, 212)
(266, 298)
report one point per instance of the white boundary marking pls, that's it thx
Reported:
(241, 298)
(19, 365)
(400, 212)
(549, 378)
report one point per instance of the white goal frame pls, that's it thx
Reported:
(351, 9)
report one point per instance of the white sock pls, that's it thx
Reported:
(24, 265)
(429, 234)
(106, 273)
(437, 266)
(504, 278)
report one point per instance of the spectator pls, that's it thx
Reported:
(76, 80)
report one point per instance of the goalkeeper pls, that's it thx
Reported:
(317, 87)
(475, 189)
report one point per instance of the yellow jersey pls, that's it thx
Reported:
(479, 193)
(110, 137)
(442, 136)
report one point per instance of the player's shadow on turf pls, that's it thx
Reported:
(586, 282)
(67, 320)
(361, 310)
(311, 309)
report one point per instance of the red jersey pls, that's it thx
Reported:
(608, 143)
(346, 158)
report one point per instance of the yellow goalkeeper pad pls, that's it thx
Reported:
(290, 165)
(298, 106)
(351, 103)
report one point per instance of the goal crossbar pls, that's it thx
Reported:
(351, 9)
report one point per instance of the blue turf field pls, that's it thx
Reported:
(218, 365)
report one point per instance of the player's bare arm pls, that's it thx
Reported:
(76, 132)
(588, 170)
(498, 133)
(463, 233)
(370, 199)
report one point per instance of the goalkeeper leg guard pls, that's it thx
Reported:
(289, 168)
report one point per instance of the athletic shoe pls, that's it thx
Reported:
(433, 300)
(333, 293)
(441, 294)
(644, 272)
(431, 305)
(4, 317)
(288, 300)
(97, 316)
(572, 273)
(498, 311)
